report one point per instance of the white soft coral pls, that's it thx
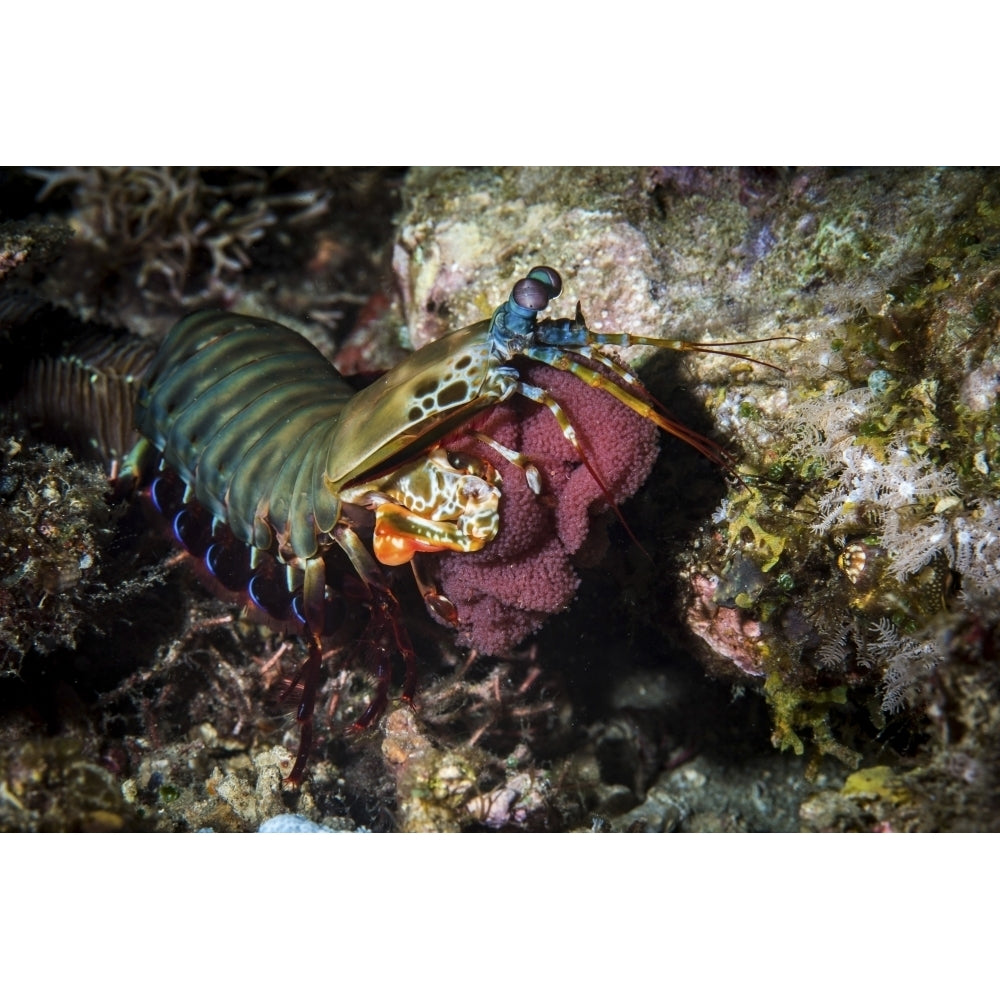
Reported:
(907, 662)
(976, 550)
(884, 489)
(825, 424)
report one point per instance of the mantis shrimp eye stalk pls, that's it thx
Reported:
(535, 291)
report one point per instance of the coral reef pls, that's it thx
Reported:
(812, 645)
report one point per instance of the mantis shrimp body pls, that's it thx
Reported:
(286, 458)
(251, 417)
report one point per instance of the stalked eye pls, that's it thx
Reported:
(530, 293)
(269, 595)
(189, 532)
(548, 276)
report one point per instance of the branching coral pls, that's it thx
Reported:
(162, 219)
(181, 236)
